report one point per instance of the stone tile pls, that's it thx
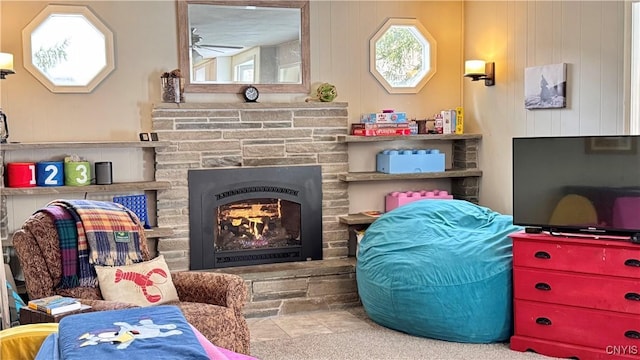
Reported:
(340, 321)
(264, 329)
(301, 325)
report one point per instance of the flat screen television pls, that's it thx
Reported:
(578, 184)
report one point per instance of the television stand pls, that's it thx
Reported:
(575, 297)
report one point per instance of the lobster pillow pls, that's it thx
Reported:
(143, 284)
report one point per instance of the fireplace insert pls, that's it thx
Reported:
(256, 215)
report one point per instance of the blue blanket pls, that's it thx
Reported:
(158, 332)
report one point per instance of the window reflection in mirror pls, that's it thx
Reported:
(68, 49)
(402, 56)
(225, 45)
(270, 35)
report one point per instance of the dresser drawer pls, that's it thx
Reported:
(577, 257)
(590, 291)
(594, 328)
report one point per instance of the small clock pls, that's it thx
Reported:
(250, 94)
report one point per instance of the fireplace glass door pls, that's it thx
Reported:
(253, 224)
(254, 216)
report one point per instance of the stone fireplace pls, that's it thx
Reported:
(210, 136)
(252, 216)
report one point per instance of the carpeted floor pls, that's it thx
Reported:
(376, 342)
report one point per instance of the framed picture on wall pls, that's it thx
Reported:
(611, 144)
(545, 87)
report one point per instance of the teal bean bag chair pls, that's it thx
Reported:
(439, 269)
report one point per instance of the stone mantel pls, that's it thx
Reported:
(251, 106)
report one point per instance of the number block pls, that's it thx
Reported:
(21, 174)
(50, 173)
(77, 173)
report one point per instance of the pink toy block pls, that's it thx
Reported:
(397, 198)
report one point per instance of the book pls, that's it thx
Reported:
(382, 131)
(372, 213)
(446, 121)
(459, 120)
(55, 304)
(380, 126)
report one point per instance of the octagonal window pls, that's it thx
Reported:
(402, 56)
(68, 49)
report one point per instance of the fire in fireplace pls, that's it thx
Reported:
(258, 215)
(257, 223)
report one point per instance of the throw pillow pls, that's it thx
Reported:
(145, 283)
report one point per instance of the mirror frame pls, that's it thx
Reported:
(183, 48)
(95, 21)
(432, 55)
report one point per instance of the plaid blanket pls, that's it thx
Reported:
(108, 234)
(68, 237)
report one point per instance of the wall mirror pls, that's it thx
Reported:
(68, 49)
(225, 45)
(402, 56)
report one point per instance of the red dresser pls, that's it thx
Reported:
(576, 297)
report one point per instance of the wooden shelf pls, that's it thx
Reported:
(444, 137)
(155, 232)
(82, 144)
(378, 176)
(115, 187)
(158, 232)
(357, 219)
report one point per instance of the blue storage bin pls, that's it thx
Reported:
(137, 204)
(409, 161)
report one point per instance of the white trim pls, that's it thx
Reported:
(5, 314)
(634, 101)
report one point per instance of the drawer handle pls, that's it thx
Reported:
(632, 262)
(632, 334)
(543, 286)
(632, 296)
(545, 321)
(544, 255)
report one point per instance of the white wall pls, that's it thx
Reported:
(120, 107)
(634, 55)
(146, 45)
(340, 34)
(587, 35)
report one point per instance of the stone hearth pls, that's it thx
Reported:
(219, 135)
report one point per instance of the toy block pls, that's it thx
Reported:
(398, 198)
(409, 161)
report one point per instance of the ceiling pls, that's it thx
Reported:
(220, 26)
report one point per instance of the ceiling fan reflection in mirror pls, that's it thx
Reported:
(208, 51)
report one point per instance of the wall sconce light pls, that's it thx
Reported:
(6, 64)
(479, 70)
(6, 68)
